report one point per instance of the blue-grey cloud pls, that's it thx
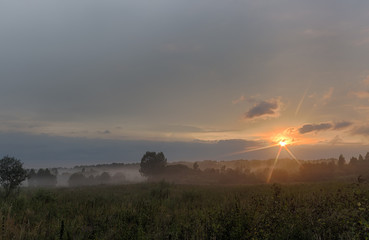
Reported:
(361, 130)
(342, 125)
(315, 127)
(186, 129)
(52, 151)
(268, 108)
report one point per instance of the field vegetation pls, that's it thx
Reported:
(171, 211)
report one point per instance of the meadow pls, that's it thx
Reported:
(337, 210)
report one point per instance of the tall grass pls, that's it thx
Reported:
(167, 211)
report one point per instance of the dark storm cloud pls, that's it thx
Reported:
(315, 127)
(264, 108)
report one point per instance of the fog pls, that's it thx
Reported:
(240, 171)
(111, 174)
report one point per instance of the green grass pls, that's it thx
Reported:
(167, 211)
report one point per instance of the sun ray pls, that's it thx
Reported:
(274, 164)
(252, 150)
(293, 156)
(282, 142)
(301, 101)
(261, 148)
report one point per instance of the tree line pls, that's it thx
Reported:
(155, 167)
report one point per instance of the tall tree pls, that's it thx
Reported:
(152, 163)
(12, 174)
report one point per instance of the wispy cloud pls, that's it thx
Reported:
(239, 100)
(362, 41)
(366, 81)
(361, 94)
(314, 33)
(187, 129)
(328, 94)
(361, 130)
(336, 140)
(264, 109)
(104, 132)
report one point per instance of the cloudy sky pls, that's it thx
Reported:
(93, 81)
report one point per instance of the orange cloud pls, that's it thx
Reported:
(361, 94)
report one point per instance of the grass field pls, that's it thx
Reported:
(167, 211)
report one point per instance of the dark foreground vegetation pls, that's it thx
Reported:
(169, 211)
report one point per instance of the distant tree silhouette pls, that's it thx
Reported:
(152, 163)
(360, 158)
(366, 157)
(12, 174)
(45, 178)
(353, 161)
(341, 161)
(77, 179)
(195, 166)
(31, 177)
(104, 178)
(54, 171)
(317, 171)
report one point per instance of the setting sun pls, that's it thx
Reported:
(282, 143)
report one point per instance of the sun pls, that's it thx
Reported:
(282, 143)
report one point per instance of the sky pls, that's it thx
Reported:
(87, 81)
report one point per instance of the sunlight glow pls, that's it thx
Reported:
(282, 141)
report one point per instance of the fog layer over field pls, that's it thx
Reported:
(207, 172)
